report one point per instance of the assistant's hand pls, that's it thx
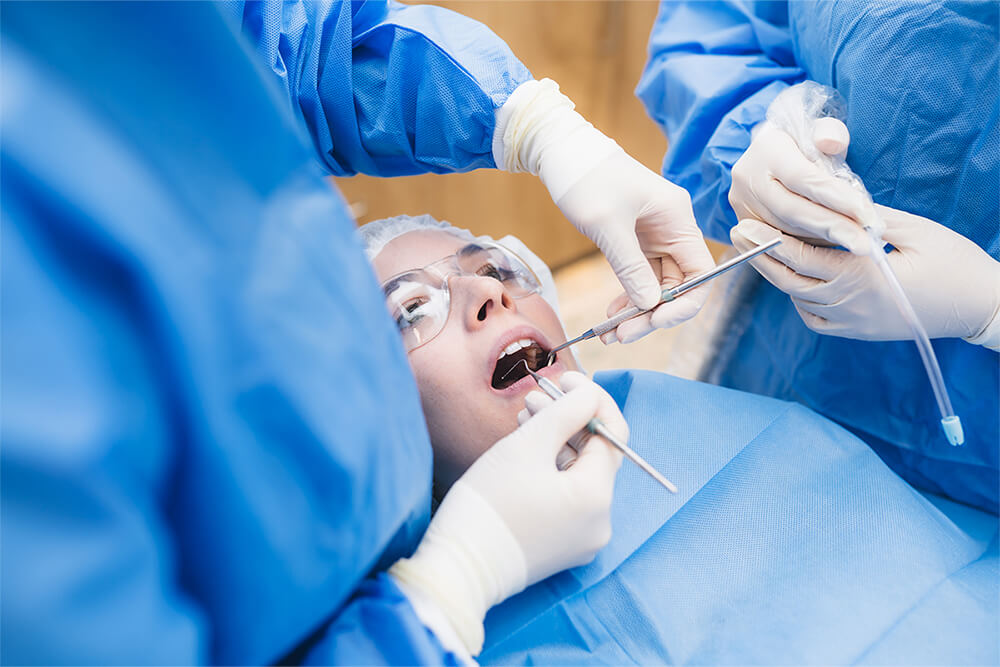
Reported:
(953, 284)
(774, 182)
(513, 518)
(642, 223)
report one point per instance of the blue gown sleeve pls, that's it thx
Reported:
(377, 627)
(87, 474)
(384, 88)
(713, 69)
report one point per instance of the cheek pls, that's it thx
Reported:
(537, 309)
(443, 377)
(463, 418)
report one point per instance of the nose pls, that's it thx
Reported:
(481, 299)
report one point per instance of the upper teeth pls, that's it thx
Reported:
(515, 346)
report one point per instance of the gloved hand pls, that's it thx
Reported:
(953, 284)
(775, 183)
(513, 519)
(642, 223)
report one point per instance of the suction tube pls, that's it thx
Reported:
(950, 422)
(795, 111)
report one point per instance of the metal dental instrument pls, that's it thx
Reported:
(597, 427)
(668, 295)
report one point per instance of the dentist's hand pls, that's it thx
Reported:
(774, 182)
(953, 284)
(513, 518)
(645, 227)
(642, 223)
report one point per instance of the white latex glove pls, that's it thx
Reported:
(953, 284)
(775, 183)
(513, 519)
(642, 223)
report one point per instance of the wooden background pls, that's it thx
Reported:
(595, 50)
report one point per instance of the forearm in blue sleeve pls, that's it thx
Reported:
(713, 69)
(378, 627)
(385, 88)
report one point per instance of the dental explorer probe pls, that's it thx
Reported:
(597, 427)
(668, 295)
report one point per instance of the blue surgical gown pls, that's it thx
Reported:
(920, 82)
(789, 542)
(210, 435)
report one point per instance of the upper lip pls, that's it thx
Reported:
(508, 337)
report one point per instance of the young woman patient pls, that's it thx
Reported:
(790, 541)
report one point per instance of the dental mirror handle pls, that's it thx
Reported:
(597, 427)
(668, 295)
(671, 293)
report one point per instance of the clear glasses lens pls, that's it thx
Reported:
(500, 264)
(419, 300)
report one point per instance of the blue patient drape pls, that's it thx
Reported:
(790, 542)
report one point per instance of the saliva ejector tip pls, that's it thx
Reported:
(952, 426)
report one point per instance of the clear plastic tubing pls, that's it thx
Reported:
(950, 422)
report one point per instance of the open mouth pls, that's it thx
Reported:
(509, 368)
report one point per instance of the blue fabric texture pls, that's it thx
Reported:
(923, 103)
(790, 542)
(197, 461)
(370, 628)
(387, 89)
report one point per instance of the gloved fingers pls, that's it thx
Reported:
(620, 246)
(595, 469)
(665, 316)
(536, 401)
(679, 310)
(599, 461)
(684, 253)
(812, 321)
(822, 318)
(630, 330)
(668, 271)
(831, 136)
(803, 215)
(803, 258)
(553, 424)
(776, 273)
(798, 175)
(618, 304)
(570, 380)
(902, 229)
(567, 455)
(608, 410)
(566, 458)
(635, 328)
(687, 306)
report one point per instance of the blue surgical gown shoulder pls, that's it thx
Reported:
(386, 88)
(198, 462)
(713, 69)
(923, 100)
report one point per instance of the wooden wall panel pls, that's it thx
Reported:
(595, 50)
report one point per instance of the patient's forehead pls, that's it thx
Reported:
(415, 250)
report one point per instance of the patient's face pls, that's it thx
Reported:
(466, 408)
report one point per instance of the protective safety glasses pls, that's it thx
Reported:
(420, 299)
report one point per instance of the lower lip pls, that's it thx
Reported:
(527, 383)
